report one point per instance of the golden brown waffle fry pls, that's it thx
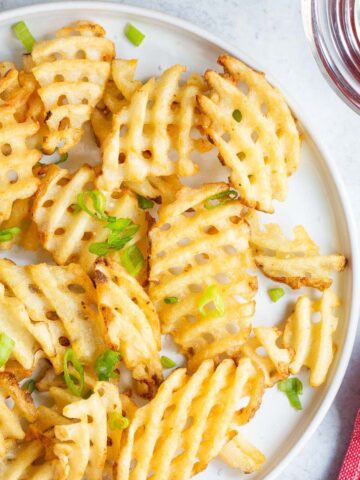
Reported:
(66, 234)
(241, 454)
(187, 424)
(152, 135)
(254, 131)
(16, 160)
(194, 247)
(52, 305)
(72, 71)
(296, 262)
(162, 188)
(311, 340)
(11, 428)
(132, 324)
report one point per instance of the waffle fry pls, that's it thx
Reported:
(296, 262)
(152, 135)
(52, 307)
(72, 71)
(132, 324)
(260, 144)
(11, 429)
(312, 341)
(192, 248)
(183, 416)
(17, 160)
(241, 454)
(66, 234)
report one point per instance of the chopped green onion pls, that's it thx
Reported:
(105, 365)
(237, 116)
(98, 200)
(24, 35)
(134, 35)
(99, 248)
(6, 347)
(122, 231)
(145, 203)
(166, 362)
(117, 224)
(171, 300)
(29, 385)
(63, 157)
(117, 421)
(220, 198)
(7, 234)
(74, 383)
(276, 293)
(211, 294)
(132, 260)
(292, 387)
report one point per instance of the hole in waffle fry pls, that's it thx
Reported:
(255, 136)
(191, 318)
(261, 351)
(90, 419)
(179, 452)
(63, 181)
(165, 226)
(108, 440)
(230, 250)
(194, 133)
(122, 158)
(211, 230)
(85, 101)
(62, 100)
(241, 155)
(190, 212)
(279, 132)
(76, 288)
(174, 106)
(226, 137)
(183, 242)
(161, 254)
(80, 54)
(74, 258)
(222, 278)
(59, 231)
(123, 130)
(202, 258)
(146, 154)
(89, 186)
(64, 124)
(87, 236)
(84, 78)
(133, 464)
(235, 219)
(59, 78)
(51, 315)
(264, 108)
(64, 341)
(6, 149)
(12, 176)
(316, 317)
(34, 289)
(189, 422)
(173, 155)
(208, 337)
(176, 270)
(232, 328)
(252, 179)
(115, 195)
(244, 87)
(195, 288)
(48, 203)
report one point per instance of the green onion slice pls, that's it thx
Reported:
(98, 200)
(292, 387)
(220, 198)
(145, 203)
(237, 115)
(74, 383)
(171, 300)
(134, 35)
(117, 421)
(29, 385)
(99, 248)
(24, 35)
(105, 365)
(276, 293)
(132, 260)
(6, 347)
(7, 234)
(212, 295)
(166, 362)
(63, 157)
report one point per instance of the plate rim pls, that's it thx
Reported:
(324, 152)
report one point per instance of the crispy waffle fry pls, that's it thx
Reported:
(241, 454)
(260, 143)
(53, 305)
(194, 247)
(296, 262)
(152, 135)
(17, 160)
(66, 234)
(72, 71)
(191, 415)
(312, 341)
(132, 325)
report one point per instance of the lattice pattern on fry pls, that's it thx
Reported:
(312, 340)
(52, 305)
(254, 131)
(152, 136)
(194, 247)
(72, 71)
(11, 428)
(66, 234)
(187, 424)
(296, 262)
(241, 454)
(16, 160)
(132, 325)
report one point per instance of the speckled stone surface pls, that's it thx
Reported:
(271, 32)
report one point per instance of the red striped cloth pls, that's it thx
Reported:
(350, 469)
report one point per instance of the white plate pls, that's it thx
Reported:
(316, 199)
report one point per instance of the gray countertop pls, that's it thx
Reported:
(271, 32)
